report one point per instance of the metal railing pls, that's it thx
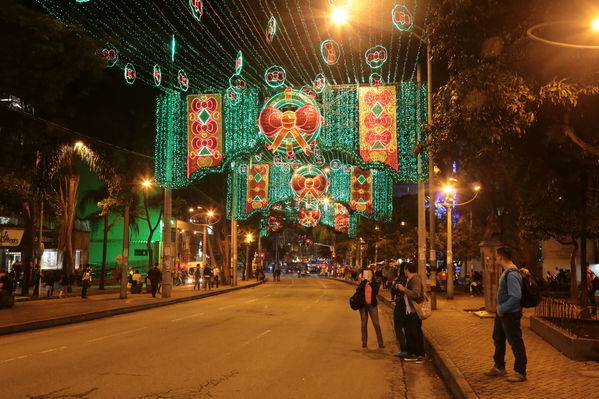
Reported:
(561, 314)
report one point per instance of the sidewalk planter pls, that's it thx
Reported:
(582, 349)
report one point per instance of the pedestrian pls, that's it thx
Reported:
(371, 289)
(507, 320)
(64, 282)
(399, 311)
(197, 277)
(86, 280)
(36, 280)
(591, 288)
(155, 275)
(49, 282)
(6, 289)
(216, 276)
(413, 292)
(207, 275)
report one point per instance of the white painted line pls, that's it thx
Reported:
(251, 300)
(224, 307)
(23, 356)
(188, 317)
(62, 348)
(257, 337)
(115, 335)
(7, 360)
(49, 350)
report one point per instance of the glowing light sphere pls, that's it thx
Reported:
(111, 54)
(339, 16)
(157, 75)
(275, 76)
(376, 56)
(271, 29)
(291, 121)
(595, 24)
(320, 83)
(237, 83)
(129, 73)
(375, 79)
(335, 164)
(239, 63)
(402, 18)
(330, 51)
(182, 79)
(197, 8)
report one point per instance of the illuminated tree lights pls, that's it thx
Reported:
(275, 76)
(330, 51)
(271, 29)
(402, 18)
(197, 8)
(376, 56)
(157, 74)
(129, 73)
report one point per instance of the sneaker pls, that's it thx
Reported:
(411, 358)
(420, 359)
(516, 377)
(401, 354)
(495, 372)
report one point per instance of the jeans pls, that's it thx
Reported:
(154, 285)
(399, 324)
(508, 327)
(414, 337)
(207, 282)
(84, 289)
(374, 315)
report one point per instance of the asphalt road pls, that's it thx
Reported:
(293, 339)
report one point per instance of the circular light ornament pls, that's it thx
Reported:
(309, 184)
(320, 83)
(275, 76)
(309, 217)
(197, 8)
(309, 90)
(271, 29)
(157, 75)
(376, 56)
(402, 18)
(239, 63)
(291, 121)
(129, 73)
(375, 79)
(182, 79)
(237, 83)
(330, 51)
(111, 54)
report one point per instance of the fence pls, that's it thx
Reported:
(561, 314)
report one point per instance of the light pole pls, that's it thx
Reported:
(249, 238)
(532, 33)
(449, 203)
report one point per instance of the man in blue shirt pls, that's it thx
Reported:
(507, 321)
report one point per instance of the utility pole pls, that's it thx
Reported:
(432, 187)
(233, 231)
(125, 265)
(449, 254)
(166, 245)
(421, 210)
(204, 250)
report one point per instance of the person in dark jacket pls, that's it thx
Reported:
(155, 276)
(371, 290)
(399, 312)
(413, 293)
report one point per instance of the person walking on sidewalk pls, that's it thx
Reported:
(592, 281)
(371, 290)
(64, 283)
(399, 312)
(86, 281)
(216, 275)
(197, 278)
(49, 282)
(507, 321)
(413, 292)
(155, 276)
(207, 275)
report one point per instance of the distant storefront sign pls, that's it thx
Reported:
(10, 237)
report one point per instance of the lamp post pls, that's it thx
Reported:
(249, 238)
(449, 203)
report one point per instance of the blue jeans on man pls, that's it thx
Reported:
(507, 327)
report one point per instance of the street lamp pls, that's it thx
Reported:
(249, 238)
(595, 24)
(532, 33)
(449, 203)
(339, 16)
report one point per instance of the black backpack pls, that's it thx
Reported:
(531, 293)
(358, 299)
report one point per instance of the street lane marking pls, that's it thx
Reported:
(251, 300)
(49, 350)
(23, 356)
(188, 317)
(7, 360)
(115, 335)
(257, 337)
(224, 307)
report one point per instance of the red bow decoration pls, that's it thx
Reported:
(315, 186)
(383, 97)
(384, 137)
(370, 121)
(279, 125)
(210, 104)
(198, 142)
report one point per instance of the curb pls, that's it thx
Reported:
(446, 368)
(59, 321)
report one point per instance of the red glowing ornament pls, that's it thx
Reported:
(402, 18)
(182, 79)
(330, 51)
(157, 75)
(309, 185)
(376, 56)
(197, 8)
(271, 29)
(130, 74)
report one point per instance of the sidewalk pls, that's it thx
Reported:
(35, 314)
(460, 345)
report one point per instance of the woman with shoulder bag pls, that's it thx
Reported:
(413, 293)
(371, 289)
(399, 312)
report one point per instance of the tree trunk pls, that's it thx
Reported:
(104, 249)
(28, 245)
(573, 285)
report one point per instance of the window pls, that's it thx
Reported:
(50, 259)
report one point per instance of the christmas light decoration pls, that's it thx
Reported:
(157, 74)
(320, 83)
(402, 18)
(129, 73)
(197, 8)
(204, 132)
(237, 83)
(290, 120)
(232, 96)
(378, 131)
(309, 90)
(275, 76)
(330, 51)
(309, 185)
(271, 29)
(111, 54)
(182, 79)
(257, 187)
(340, 3)
(376, 79)
(376, 56)
(239, 63)
(361, 190)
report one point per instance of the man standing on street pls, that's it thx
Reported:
(155, 276)
(507, 321)
(86, 281)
